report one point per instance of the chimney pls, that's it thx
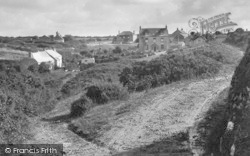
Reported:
(140, 28)
(133, 32)
(118, 32)
(166, 29)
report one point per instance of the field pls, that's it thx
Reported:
(10, 54)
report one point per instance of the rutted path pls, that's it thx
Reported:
(49, 133)
(174, 110)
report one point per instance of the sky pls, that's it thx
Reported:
(107, 17)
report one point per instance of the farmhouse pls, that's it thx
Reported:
(178, 36)
(43, 56)
(50, 57)
(56, 56)
(153, 39)
(123, 38)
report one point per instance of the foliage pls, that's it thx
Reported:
(22, 95)
(117, 50)
(169, 68)
(80, 106)
(104, 92)
(68, 38)
(14, 124)
(26, 63)
(105, 72)
(44, 68)
(86, 66)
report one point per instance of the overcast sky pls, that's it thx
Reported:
(107, 17)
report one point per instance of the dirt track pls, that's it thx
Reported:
(174, 110)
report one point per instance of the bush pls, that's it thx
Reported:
(27, 62)
(168, 68)
(104, 92)
(80, 106)
(117, 50)
(86, 66)
(44, 68)
(33, 68)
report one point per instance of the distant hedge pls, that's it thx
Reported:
(169, 68)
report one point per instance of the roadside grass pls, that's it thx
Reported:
(212, 126)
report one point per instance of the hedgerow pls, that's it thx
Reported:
(168, 68)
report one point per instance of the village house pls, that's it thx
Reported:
(124, 37)
(178, 37)
(51, 57)
(153, 39)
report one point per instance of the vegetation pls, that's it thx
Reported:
(80, 106)
(104, 92)
(44, 68)
(238, 38)
(105, 72)
(166, 69)
(23, 94)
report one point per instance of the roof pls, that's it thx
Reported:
(42, 56)
(153, 31)
(125, 33)
(179, 32)
(54, 53)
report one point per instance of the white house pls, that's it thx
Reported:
(43, 56)
(56, 56)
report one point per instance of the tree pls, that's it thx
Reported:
(44, 67)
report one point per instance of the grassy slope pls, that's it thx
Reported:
(99, 120)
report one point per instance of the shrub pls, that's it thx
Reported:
(14, 124)
(33, 68)
(117, 50)
(104, 92)
(86, 66)
(27, 62)
(44, 68)
(168, 68)
(80, 106)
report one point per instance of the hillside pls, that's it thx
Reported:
(138, 125)
(174, 90)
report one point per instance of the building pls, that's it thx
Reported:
(44, 38)
(58, 38)
(88, 60)
(124, 37)
(43, 56)
(178, 36)
(56, 56)
(153, 39)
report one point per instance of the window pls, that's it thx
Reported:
(162, 39)
(154, 39)
(146, 47)
(146, 40)
(162, 46)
